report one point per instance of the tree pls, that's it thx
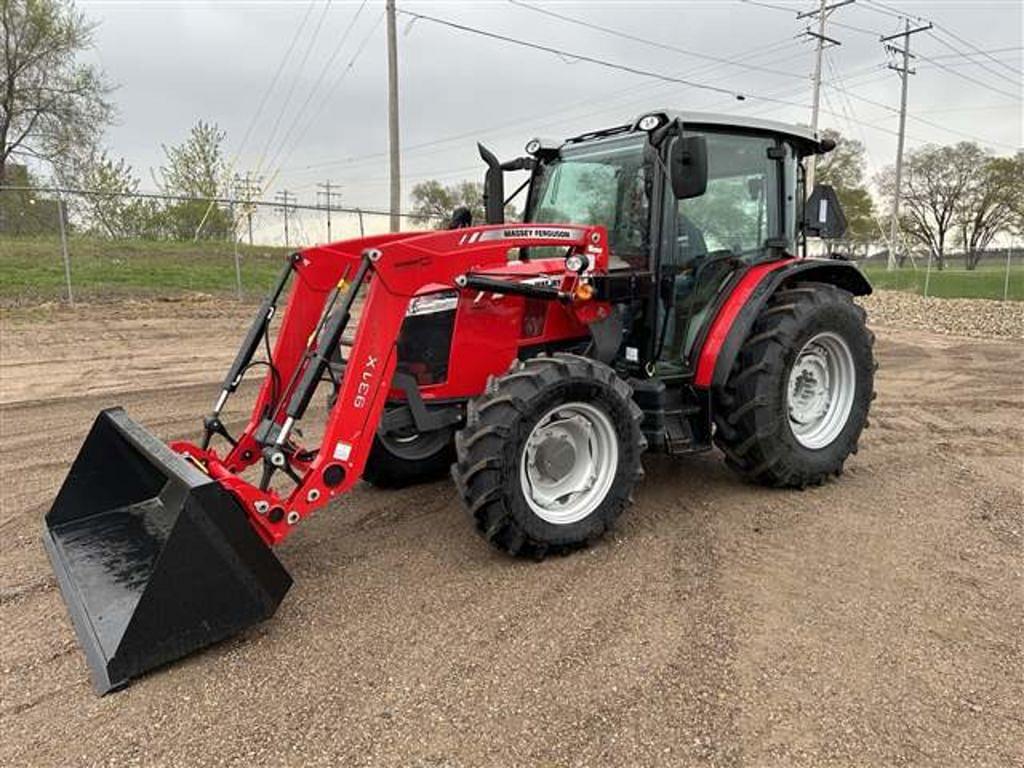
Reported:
(1007, 173)
(934, 183)
(23, 211)
(434, 202)
(50, 103)
(196, 168)
(843, 168)
(112, 211)
(986, 207)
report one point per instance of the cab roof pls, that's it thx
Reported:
(806, 139)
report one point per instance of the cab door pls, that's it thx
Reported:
(709, 240)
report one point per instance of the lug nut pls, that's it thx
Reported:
(293, 517)
(313, 495)
(261, 507)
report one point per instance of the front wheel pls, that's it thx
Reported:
(798, 395)
(549, 455)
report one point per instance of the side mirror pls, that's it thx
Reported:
(823, 215)
(494, 187)
(688, 166)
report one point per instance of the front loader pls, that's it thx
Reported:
(656, 297)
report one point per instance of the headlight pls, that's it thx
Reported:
(532, 147)
(577, 263)
(649, 122)
(444, 301)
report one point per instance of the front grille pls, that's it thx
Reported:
(424, 345)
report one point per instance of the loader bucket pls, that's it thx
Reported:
(154, 559)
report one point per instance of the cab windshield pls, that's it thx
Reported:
(603, 182)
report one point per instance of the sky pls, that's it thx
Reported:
(301, 87)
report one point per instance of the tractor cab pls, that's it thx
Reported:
(687, 199)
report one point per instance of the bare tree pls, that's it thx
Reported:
(934, 183)
(986, 207)
(50, 103)
(1007, 173)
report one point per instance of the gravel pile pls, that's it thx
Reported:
(957, 317)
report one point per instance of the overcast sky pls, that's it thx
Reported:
(178, 62)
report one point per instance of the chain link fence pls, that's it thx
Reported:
(55, 245)
(996, 273)
(68, 245)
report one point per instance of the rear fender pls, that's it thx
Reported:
(738, 313)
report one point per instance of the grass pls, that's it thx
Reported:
(32, 269)
(987, 281)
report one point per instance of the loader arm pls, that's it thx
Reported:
(394, 270)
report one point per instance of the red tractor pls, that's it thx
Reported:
(652, 299)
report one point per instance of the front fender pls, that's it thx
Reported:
(737, 315)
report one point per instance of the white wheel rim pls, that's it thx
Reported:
(569, 463)
(821, 389)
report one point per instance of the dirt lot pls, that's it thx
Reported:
(876, 621)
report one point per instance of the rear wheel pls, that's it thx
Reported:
(397, 461)
(798, 395)
(549, 455)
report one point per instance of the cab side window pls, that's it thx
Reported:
(737, 213)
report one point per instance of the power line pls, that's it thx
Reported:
(968, 78)
(272, 83)
(312, 120)
(1010, 49)
(854, 28)
(531, 120)
(847, 109)
(888, 10)
(982, 64)
(298, 116)
(773, 6)
(652, 43)
(569, 54)
(960, 61)
(291, 91)
(488, 132)
(923, 121)
(259, 107)
(970, 108)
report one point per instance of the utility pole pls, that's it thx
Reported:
(247, 188)
(328, 195)
(823, 12)
(396, 171)
(285, 199)
(234, 249)
(61, 215)
(904, 72)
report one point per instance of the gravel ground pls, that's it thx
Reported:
(876, 621)
(979, 318)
